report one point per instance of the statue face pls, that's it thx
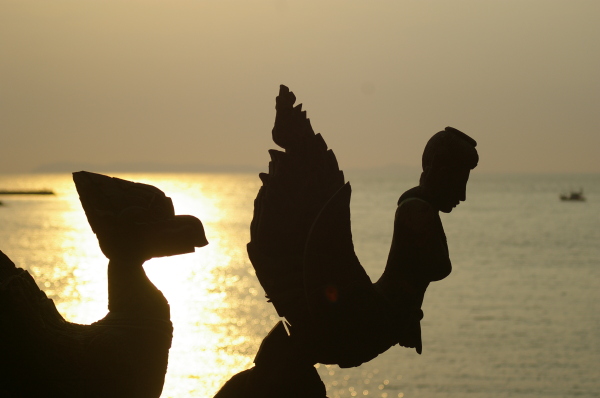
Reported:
(448, 187)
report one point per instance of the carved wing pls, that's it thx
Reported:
(301, 242)
(299, 183)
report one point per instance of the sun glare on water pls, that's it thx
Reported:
(211, 290)
(539, 263)
(217, 306)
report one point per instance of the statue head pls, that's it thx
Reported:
(448, 158)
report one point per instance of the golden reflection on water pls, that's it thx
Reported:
(210, 341)
(220, 313)
(211, 291)
(217, 306)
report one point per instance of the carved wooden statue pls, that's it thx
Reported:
(301, 248)
(124, 354)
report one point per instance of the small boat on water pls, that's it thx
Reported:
(40, 192)
(575, 196)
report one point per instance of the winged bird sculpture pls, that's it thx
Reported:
(301, 248)
(125, 354)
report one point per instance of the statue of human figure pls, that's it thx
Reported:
(123, 355)
(301, 248)
(419, 254)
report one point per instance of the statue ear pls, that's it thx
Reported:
(438, 163)
(440, 159)
(437, 169)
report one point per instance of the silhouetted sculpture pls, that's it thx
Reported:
(301, 248)
(124, 354)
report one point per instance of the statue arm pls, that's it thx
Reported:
(419, 233)
(417, 257)
(419, 244)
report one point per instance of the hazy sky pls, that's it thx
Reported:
(194, 82)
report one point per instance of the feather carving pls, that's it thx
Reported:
(301, 248)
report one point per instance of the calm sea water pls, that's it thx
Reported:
(518, 317)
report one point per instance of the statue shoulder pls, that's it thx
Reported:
(416, 215)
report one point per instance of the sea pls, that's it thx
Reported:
(518, 317)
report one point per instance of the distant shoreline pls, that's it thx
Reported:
(147, 167)
(27, 192)
(143, 167)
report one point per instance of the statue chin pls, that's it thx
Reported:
(447, 208)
